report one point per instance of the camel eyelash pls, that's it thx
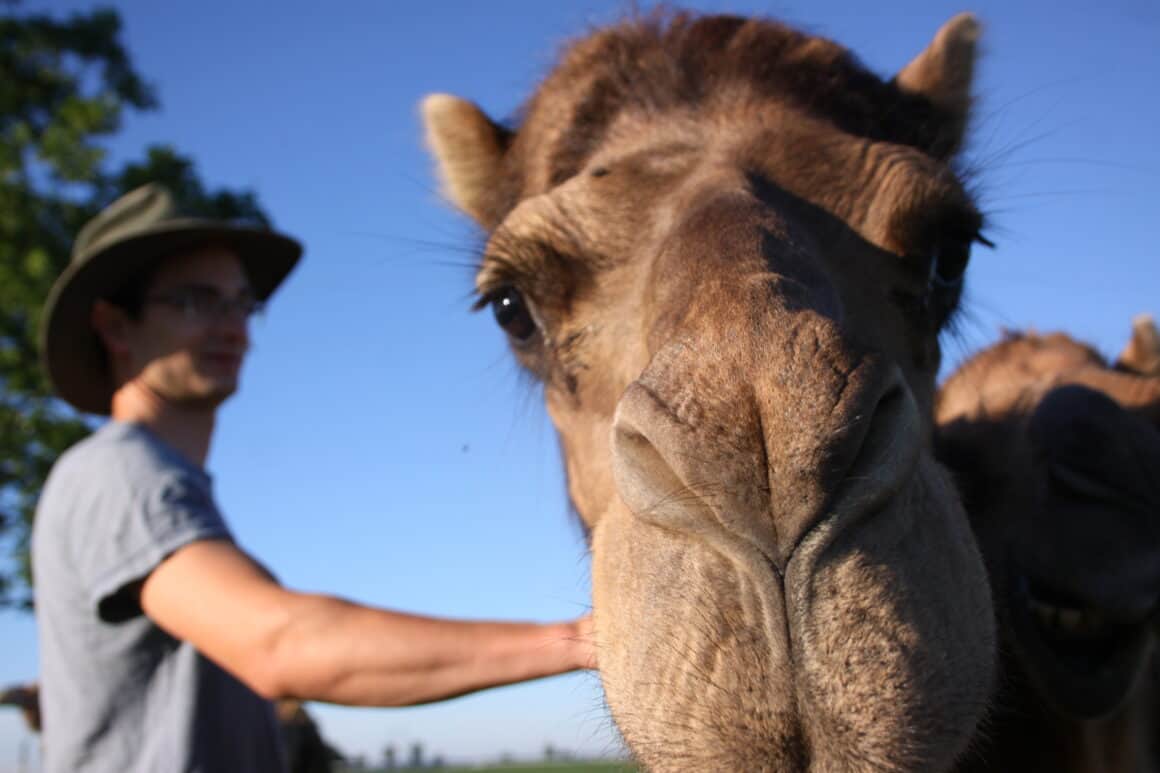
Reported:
(545, 275)
(496, 275)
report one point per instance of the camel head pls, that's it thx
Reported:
(1057, 454)
(727, 250)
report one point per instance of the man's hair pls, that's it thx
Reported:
(130, 294)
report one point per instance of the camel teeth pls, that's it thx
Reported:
(1045, 613)
(1069, 620)
(1093, 621)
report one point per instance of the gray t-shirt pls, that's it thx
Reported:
(117, 692)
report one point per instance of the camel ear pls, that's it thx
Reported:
(468, 148)
(1142, 354)
(943, 74)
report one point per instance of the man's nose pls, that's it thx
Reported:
(232, 320)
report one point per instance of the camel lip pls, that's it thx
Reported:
(1084, 660)
(1122, 587)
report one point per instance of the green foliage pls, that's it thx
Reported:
(64, 88)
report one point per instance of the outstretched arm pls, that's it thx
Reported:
(315, 647)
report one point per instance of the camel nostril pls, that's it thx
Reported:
(880, 459)
(647, 479)
(645, 473)
(890, 435)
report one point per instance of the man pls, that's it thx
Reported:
(162, 642)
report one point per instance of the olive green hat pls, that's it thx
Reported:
(124, 239)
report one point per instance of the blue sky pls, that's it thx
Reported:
(384, 448)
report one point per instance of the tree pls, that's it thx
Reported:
(416, 760)
(65, 85)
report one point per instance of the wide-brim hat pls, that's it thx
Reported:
(129, 235)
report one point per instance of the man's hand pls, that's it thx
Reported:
(585, 639)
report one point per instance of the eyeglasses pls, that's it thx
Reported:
(206, 304)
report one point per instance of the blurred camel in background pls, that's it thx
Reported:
(1057, 455)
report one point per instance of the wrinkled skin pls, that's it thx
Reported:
(727, 251)
(1057, 455)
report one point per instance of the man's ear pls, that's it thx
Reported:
(112, 325)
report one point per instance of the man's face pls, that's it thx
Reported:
(192, 335)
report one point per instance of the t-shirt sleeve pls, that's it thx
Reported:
(149, 527)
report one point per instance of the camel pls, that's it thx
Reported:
(306, 750)
(726, 250)
(25, 697)
(1057, 454)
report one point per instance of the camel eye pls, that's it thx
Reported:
(949, 263)
(512, 314)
